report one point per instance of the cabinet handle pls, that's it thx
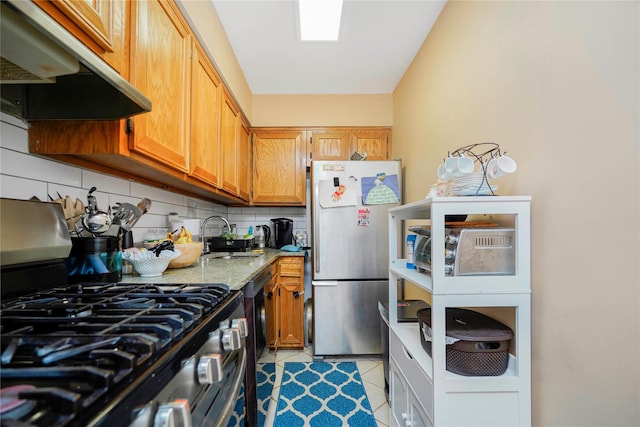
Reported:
(296, 294)
(407, 352)
(268, 295)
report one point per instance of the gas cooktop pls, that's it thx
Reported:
(70, 352)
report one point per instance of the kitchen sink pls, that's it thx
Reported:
(234, 255)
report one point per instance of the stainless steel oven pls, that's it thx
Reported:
(112, 354)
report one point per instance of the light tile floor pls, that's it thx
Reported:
(371, 371)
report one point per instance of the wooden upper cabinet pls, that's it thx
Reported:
(341, 143)
(102, 25)
(279, 167)
(244, 160)
(177, 146)
(205, 146)
(229, 138)
(374, 142)
(160, 54)
(328, 144)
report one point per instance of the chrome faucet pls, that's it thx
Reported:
(204, 222)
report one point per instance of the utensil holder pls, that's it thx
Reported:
(94, 259)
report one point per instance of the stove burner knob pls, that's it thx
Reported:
(242, 325)
(213, 343)
(209, 369)
(225, 324)
(448, 269)
(451, 239)
(173, 414)
(231, 339)
(449, 253)
(143, 416)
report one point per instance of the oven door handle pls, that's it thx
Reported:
(229, 405)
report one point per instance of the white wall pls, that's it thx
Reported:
(23, 176)
(557, 85)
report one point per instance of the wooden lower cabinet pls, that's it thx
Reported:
(284, 303)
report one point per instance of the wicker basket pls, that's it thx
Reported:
(481, 346)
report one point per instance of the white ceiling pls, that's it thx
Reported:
(378, 40)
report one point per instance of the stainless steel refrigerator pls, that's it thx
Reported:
(350, 241)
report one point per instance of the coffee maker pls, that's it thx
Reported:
(262, 236)
(282, 232)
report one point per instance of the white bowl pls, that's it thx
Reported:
(147, 264)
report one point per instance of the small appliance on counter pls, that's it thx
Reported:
(258, 238)
(282, 232)
(265, 232)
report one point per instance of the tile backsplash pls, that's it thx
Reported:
(23, 175)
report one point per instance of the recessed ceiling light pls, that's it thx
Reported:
(319, 19)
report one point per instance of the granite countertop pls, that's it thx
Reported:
(234, 272)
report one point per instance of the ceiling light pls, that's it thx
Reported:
(319, 19)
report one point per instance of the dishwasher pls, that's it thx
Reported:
(256, 339)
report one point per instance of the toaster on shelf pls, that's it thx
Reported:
(469, 251)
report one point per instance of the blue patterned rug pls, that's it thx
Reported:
(266, 378)
(322, 394)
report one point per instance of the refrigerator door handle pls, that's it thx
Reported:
(316, 238)
(324, 283)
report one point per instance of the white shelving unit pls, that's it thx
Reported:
(422, 391)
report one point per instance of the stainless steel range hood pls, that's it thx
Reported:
(47, 74)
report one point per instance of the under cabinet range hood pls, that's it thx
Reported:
(48, 74)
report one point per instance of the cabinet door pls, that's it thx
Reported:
(229, 138)
(279, 170)
(291, 313)
(418, 414)
(328, 144)
(204, 163)
(291, 282)
(272, 312)
(244, 161)
(102, 25)
(374, 142)
(399, 396)
(160, 48)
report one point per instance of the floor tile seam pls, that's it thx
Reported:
(382, 405)
(372, 383)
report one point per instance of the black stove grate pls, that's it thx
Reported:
(69, 350)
